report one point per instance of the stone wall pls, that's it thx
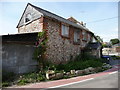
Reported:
(18, 58)
(60, 50)
(34, 26)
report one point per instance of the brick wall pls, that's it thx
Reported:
(118, 49)
(34, 26)
(61, 49)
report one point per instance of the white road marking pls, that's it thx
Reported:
(72, 83)
(113, 72)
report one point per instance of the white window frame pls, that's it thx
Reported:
(77, 36)
(65, 30)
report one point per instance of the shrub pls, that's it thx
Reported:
(5, 84)
(80, 62)
(22, 81)
(30, 77)
(7, 76)
(115, 57)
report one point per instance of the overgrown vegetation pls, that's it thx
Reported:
(81, 62)
(114, 41)
(39, 53)
(115, 57)
(11, 79)
(31, 78)
(7, 78)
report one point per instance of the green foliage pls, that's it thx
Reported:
(23, 79)
(115, 57)
(105, 45)
(79, 65)
(22, 82)
(99, 39)
(49, 66)
(114, 41)
(30, 78)
(7, 76)
(39, 53)
(80, 62)
(5, 84)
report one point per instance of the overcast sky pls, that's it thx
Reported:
(100, 17)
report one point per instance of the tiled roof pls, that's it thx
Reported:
(59, 18)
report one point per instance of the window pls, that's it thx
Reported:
(84, 35)
(28, 17)
(65, 30)
(89, 37)
(77, 36)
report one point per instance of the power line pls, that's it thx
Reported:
(103, 19)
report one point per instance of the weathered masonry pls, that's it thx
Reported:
(17, 53)
(66, 39)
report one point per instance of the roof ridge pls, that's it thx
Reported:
(36, 7)
(57, 17)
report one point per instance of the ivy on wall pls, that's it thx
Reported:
(40, 50)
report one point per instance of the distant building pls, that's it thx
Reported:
(114, 50)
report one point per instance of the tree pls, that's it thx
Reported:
(106, 45)
(114, 41)
(99, 39)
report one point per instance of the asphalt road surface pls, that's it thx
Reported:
(106, 81)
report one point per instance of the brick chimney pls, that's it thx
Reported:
(72, 19)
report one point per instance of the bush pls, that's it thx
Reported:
(5, 84)
(22, 82)
(30, 77)
(79, 65)
(80, 62)
(8, 76)
(115, 57)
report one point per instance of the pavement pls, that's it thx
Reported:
(106, 81)
(70, 81)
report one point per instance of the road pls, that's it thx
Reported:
(105, 81)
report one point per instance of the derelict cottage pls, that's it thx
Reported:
(66, 39)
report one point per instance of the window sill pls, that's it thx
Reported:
(84, 40)
(26, 23)
(76, 43)
(65, 36)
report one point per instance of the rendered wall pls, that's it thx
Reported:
(18, 58)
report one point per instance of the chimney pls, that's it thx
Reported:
(81, 23)
(84, 24)
(72, 19)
